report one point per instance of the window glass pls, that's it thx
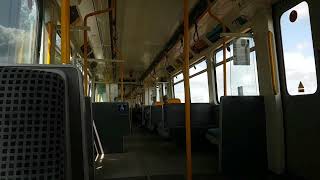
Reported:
(18, 27)
(197, 68)
(199, 88)
(298, 52)
(58, 42)
(164, 88)
(179, 91)
(219, 80)
(241, 79)
(158, 93)
(244, 79)
(101, 95)
(146, 97)
(219, 54)
(111, 92)
(178, 78)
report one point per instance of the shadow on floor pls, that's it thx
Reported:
(150, 157)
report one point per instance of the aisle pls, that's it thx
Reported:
(151, 157)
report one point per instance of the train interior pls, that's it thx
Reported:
(159, 89)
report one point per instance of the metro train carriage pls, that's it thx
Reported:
(159, 89)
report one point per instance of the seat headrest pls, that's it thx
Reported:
(174, 101)
(158, 103)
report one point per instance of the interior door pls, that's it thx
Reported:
(297, 35)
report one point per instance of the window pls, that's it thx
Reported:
(57, 59)
(158, 98)
(198, 68)
(58, 42)
(199, 90)
(101, 95)
(112, 92)
(178, 78)
(164, 89)
(146, 96)
(298, 51)
(241, 79)
(179, 91)
(18, 31)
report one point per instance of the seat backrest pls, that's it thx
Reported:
(243, 127)
(36, 116)
(202, 115)
(174, 101)
(156, 114)
(112, 123)
(158, 103)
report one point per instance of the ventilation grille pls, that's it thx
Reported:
(32, 141)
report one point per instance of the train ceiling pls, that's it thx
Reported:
(144, 27)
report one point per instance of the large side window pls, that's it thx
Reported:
(179, 91)
(158, 98)
(18, 31)
(242, 80)
(299, 61)
(199, 90)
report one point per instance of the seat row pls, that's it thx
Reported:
(237, 126)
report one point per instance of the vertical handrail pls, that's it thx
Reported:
(272, 62)
(65, 31)
(85, 47)
(50, 37)
(186, 49)
(224, 67)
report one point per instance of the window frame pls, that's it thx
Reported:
(281, 54)
(215, 65)
(202, 59)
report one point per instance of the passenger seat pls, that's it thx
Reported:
(42, 123)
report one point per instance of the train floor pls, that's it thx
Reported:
(150, 157)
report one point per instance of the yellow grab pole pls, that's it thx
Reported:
(65, 31)
(50, 35)
(85, 48)
(272, 63)
(186, 49)
(224, 67)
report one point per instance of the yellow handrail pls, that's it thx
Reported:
(85, 47)
(65, 31)
(272, 62)
(50, 35)
(186, 51)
